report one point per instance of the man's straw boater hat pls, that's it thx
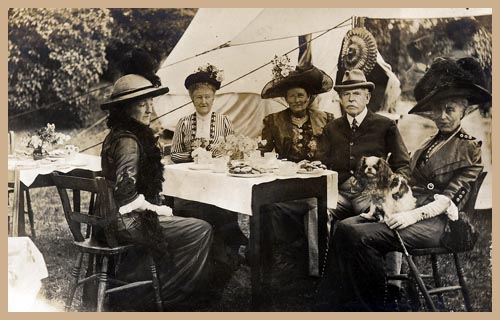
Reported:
(132, 87)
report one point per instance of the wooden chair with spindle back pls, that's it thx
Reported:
(101, 220)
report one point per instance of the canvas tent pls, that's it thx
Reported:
(243, 42)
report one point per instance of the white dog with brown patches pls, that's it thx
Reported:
(389, 192)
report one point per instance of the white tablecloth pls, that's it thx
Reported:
(29, 169)
(227, 192)
(26, 269)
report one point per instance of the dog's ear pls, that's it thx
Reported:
(361, 168)
(385, 173)
(360, 173)
(404, 188)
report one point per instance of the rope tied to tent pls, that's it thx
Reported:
(227, 44)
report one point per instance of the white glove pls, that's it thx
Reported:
(141, 204)
(407, 218)
(162, 210)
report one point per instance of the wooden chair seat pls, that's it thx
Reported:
(92, 247)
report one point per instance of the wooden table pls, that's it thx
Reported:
(25, 177)
(247, 196)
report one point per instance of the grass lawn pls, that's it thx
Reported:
(293, 290)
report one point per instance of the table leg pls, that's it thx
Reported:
(21, 229)
(322, 229)
(17, 201)
(261, 258)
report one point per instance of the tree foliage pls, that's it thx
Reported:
(55, 55)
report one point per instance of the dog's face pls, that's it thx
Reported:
(374, 169)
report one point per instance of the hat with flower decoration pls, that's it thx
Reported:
(208, 74)
(310, 78)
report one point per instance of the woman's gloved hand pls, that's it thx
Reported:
(407, 218)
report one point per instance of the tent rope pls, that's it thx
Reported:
(340, 25)
(17, 115)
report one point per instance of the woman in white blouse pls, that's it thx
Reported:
(203, 128)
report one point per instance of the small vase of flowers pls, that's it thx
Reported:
(43, 138)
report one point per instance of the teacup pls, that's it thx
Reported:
(219, 165)
(255, 158)
(270, 158)
(204, 158)
(287, 168)
(71, 151)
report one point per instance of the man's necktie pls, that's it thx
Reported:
(354, 125)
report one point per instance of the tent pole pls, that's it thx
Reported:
(358, 22)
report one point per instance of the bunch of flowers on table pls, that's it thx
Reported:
(43, 138)
(237, 146)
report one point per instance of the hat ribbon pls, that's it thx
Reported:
(348, 82)
(121, 94)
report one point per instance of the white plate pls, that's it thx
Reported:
(245, 175)
(200, 167)
(304, 171)
(77, 163)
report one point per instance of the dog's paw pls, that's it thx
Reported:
(378, 217)
(368, 216)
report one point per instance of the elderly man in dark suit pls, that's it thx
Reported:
(360, 133)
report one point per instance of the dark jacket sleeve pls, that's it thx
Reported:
(460, 185)
(267, 134)
(400, 158)
(126, 155)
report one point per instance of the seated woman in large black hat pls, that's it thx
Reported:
(131, 160)
(443, 172)
(206, 129)
(295, 134)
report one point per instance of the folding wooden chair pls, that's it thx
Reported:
(104, 213)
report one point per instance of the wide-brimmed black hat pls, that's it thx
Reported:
(310, 78)
(354, 79)
(447, 78)
(132, 87)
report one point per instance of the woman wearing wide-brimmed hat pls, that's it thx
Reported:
(131, 160)
(443, 172)
(294, 134)
(206, 129)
